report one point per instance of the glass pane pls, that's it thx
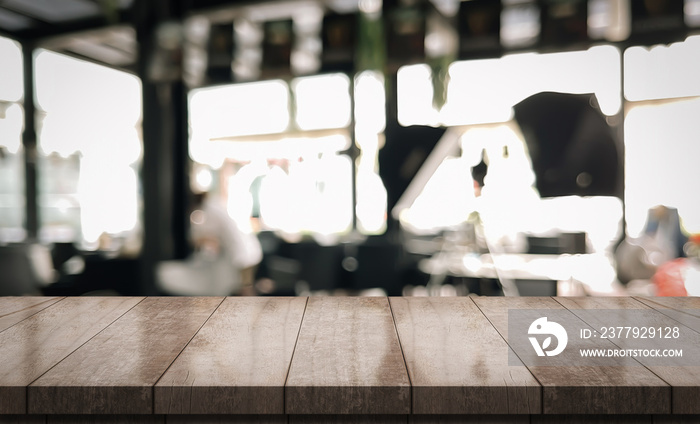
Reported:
(294, 186)
(370, 120)
(662, 72)
(520, 24)
(11, 83)
(484, 91)
(90, 151)
(268, 178)
(692, 13)
(322, 102)
(312, 195)
(240, 109)
(11, 173)
(415, 96)
(661, 153)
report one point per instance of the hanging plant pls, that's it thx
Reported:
(440, 76)
(371, 52)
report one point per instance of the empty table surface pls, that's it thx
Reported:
(320, 359)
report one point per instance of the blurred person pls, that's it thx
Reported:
(661, 242)
(224, 258)
(664, 226)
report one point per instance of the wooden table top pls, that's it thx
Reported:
(319, 355)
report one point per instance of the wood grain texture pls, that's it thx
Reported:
(348, 419)
(457, 362)
(16, 309)
(115, 372)
(31, 347)
(469, 419)
(348, 360)
(583, 389)
(691, 303)
(676, 419)
(591, 419)
(226, 419)
(237, 363)
(685, 310)
(105, 419)
(685, 380)
(22, 419)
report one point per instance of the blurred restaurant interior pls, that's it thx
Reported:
(350, 147)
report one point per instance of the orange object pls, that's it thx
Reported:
(670, 278)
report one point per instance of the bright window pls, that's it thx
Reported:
(370, 120)
(240, 109)
(11, 83)
(90, 150)
(480, 98)
(661, 128)
(663, 72)
(484, 91)
(11, 152)
(661, 161)
(273, 174)
(287, 170)
(322, 102)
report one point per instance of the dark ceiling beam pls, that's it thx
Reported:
(124, 17)
(23, 13)
(130, 68)
(18, 35)
(213, 9)
(12, 36)
(203, 5)
(106, 38)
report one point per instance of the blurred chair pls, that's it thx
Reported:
(379, 265)
(320, 265)
(24, 269)
(61, 253)
(284, 272)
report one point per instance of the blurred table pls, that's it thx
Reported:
(509, 265)
(530, 269)
(316, 360)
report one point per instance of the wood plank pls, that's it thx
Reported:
(23, 419)
(115, 372)
(457, 362)
(583, 389)
(237, 363)
(684, 380)
(348, 360)
(591, 419)
(676, 419)
(31, 347)
(469, 419)
(691, 304)
(16, 309)
(685, 310)
(226, 419)
(348, 419)
(105, 419)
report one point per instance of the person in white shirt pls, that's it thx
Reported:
(223, 260)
